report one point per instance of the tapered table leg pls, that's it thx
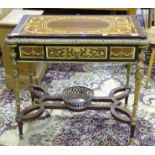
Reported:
(138, 77)
(152, 58)
(128, 67)
(15, 75)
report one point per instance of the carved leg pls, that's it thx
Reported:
(15, 75)
(150, 67)
(138, 77)
(128, 66)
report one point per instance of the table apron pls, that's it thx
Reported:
(76, 53)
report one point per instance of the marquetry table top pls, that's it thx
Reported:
(78, 26)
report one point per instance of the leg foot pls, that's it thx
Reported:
(20, 128)
(19, 120)
(132, 131)
(21, 137)
(131, 141)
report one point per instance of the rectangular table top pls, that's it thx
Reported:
(78, 26)
(77, 38)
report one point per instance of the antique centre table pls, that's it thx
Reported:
(78, 38)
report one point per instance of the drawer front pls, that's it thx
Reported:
(122, 53)
(31, 52)
(76, 53)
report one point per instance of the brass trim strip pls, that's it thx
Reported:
(104, 42)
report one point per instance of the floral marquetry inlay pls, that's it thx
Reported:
(31, 52)
(102, 25)
(122, 53)
(76, 53)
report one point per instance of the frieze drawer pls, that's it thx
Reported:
(122, 53)
(31, 52)
(76, 53)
